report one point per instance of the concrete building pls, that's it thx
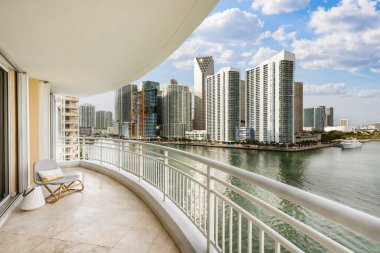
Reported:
(176, 110)
(344, 122)
(314, 119)
(103, 119)
(269, 105)
(87, 116)
(197, 135)
(203, 67)
(86, 119)
(244, 133)
(145, 110)
(222, 105)
(123, 106)
(338, 128)
(298, 107)
(329, 116)
(243, 100)
(67, 126)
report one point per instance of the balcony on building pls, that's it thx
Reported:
(138, 196)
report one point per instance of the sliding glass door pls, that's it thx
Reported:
(4, 136)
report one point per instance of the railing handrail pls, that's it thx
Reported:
(356, 220)
(351, 218)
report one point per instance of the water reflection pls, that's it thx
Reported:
(351, 178)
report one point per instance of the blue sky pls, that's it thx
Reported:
(337, 47)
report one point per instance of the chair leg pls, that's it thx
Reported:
(63, 190)
(53, 194)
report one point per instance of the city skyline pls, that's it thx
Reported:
(345, 78)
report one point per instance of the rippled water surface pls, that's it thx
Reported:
(351, 177)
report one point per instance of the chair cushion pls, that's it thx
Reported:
(64, 180)
(49, 175)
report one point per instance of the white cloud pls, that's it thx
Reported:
(261, 55)
(277, 6)
(338, 89)
(232, 26)
(349, 15)
(348, 38)
(247, 54)
(324, 89)
(220, 35)
(364, 94)
(281, 35)
(184, 64)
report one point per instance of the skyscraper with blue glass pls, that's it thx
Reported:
(147, 110)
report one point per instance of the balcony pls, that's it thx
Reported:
(105, 217)
(72, 105)
(70, 129)
(212, 204)
(72, 114)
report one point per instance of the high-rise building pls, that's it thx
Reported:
(123, 108)
(222, 105)
(145, 110)
(176, 110)
(344, 122)
(314, 118)
(298, 107)
(242, 103)
(269, 93)
(68, 127)
(103, 119)
(329, 116)
(87, 116)
(203, 67)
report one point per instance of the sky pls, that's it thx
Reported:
(337, 47)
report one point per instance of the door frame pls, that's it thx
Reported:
(7, 69)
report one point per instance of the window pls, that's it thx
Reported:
(4, 134)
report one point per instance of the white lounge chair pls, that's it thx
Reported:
(66, 184)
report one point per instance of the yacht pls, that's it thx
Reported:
(351, 143)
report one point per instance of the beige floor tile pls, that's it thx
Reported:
(54, 246)
(21, 243)
(163, 243)
(100, 234)
(104, 215)
(114, 250)
(88, 248)
(138, 238)
(6, 237)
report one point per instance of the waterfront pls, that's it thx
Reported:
(351, 177)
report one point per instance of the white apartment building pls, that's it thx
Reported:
(270, 99)
(222, 105)
(203, 67)
(68, 127)
(198, 135)
(176, 110)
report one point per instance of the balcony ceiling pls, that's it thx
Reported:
(92, 46)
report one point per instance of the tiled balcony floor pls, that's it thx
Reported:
(105, 217)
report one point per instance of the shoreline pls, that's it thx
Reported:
(251, 147)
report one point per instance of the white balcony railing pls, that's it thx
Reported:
(201, 188)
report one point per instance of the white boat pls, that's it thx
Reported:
(351, 143)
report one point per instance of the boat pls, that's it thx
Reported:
(351, 143)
